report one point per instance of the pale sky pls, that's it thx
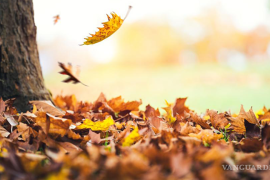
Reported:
(79, 18)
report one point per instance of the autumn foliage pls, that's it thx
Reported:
(114, 139)
(109, 27)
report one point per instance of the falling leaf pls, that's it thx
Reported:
(56, 19)
(110, 27)
(68, 71)
(98, 125)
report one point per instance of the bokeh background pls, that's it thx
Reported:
(215, 52)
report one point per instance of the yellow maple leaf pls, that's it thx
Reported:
(110, 27)
(98, 125)
(133, 137)
(169, 116)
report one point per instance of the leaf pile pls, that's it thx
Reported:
(114, 139)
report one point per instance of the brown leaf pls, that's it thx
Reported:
(2, 106)
(266, 136)
(66, 102)
(187, 129)
(251, 145)
(69, 147)
(207, 136)
(67, 71)
(48, 107)
(218, 121)
(101, 105)
(179, 107)
(118, 105)
(95, 137)
(181, 164)
(197, 119)
(151, 112)
(73, 135)
(3, 132)
(252, 130)
(24, 130)
(249, 116)
(237, 124)
(57, 126)
(75, 117)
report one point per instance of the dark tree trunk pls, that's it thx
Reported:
(20, 71)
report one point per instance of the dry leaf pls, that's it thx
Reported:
(58, 126)
(207, 136)
(48, 107)
(67, 71)
(98, 125)
(249, 116)
(133, 137)
(110, 27)
(4, 132)
(10, 119)
(56, 19)
(169, 110)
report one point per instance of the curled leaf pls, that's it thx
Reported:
(68, 71)
(110, 27)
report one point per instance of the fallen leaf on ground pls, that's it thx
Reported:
(98, 125)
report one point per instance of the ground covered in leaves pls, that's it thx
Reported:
(114, 139)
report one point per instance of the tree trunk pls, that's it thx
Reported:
(20, 71)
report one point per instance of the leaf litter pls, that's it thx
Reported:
(114, 139)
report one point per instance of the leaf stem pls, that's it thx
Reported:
(107, 135)
(129, 8)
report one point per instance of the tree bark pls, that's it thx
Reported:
(20, 70)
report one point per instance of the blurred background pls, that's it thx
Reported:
(215, 52)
